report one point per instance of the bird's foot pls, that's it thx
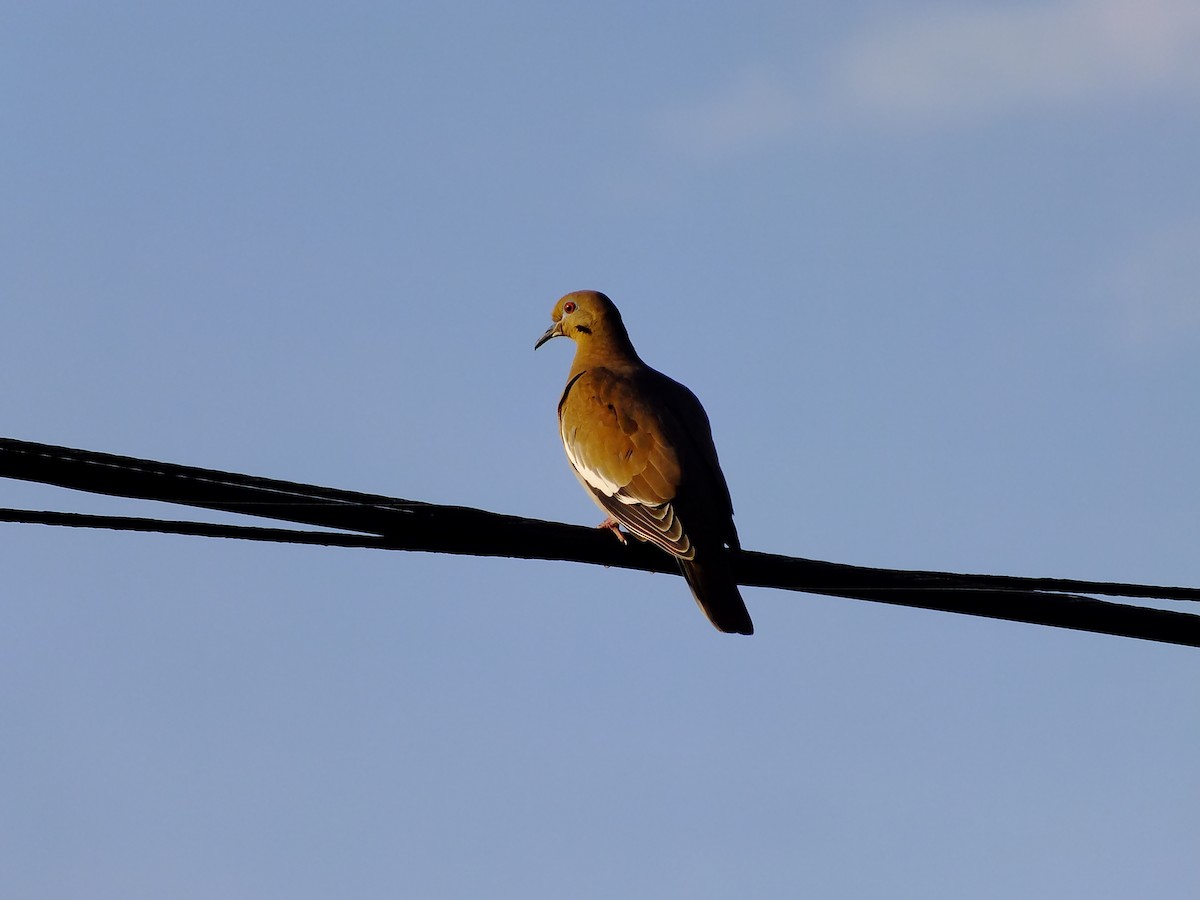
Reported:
(614, 526)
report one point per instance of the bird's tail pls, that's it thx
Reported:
(717, 594)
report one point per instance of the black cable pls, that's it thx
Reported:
(382, 522)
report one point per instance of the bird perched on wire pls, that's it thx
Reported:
(642, 446)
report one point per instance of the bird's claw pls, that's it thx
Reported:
(614, 526)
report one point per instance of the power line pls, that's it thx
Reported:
(380, 522)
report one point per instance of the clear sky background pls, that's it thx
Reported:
(934, 273)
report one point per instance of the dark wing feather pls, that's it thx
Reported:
(642, 446)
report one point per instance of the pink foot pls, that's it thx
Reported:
(615, 527)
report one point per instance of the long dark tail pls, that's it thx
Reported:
(717, 593)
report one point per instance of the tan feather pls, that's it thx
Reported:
(642, 446)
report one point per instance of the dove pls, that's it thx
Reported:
(641, 445)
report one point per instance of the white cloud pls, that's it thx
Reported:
(968, 63)
(755, 109)
(959, 64)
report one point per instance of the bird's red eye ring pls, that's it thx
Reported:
(569, 307)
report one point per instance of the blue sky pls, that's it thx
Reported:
(933, 272)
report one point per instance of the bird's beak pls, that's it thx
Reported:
(553, 331)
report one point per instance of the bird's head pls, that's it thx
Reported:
(585, 317)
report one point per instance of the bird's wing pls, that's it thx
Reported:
(704, 498)
(621, 442)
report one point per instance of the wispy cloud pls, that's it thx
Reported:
(756, 108)
(956, 65)
(967, 63)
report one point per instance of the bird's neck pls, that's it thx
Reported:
(610, 350)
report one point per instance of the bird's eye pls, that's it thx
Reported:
(568, 307)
